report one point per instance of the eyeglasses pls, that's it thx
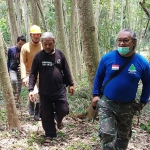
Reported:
(126, 41)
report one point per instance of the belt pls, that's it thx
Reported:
(131, 101)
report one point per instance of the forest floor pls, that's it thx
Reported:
(77, 134)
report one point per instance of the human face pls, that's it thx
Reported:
(125, 40)
(35, 37)
(48, 45)
(20, 44)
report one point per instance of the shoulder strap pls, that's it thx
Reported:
(117, 72)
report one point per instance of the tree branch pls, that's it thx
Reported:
(145, 9)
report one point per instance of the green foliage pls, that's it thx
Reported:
(82, 97)
(4, 22)
(145, 127)
(61, 134)
(80, 146)
(3, 118)
(24, 93)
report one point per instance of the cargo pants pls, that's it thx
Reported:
(115, 123)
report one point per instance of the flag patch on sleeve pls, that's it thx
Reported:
(115, 67)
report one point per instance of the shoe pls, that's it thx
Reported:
(47, 141)
(37, 113)
(31, 108)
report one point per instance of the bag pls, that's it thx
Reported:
(14, 64)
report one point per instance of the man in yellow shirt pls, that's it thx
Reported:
(27, 54)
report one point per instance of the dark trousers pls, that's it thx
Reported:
(49, 107)
(115, 123)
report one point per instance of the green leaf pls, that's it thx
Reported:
(143, 126)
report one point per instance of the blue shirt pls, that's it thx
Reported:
(123, 87)
(13, 53)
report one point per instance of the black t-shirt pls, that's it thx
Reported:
(50, 68)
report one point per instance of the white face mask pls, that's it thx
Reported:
(123, 50)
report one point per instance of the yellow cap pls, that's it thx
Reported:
(35, 29)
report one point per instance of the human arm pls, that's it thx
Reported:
(98, 81)
(23, 61)
(8, 59)
(145, 78)
(33, 77)
(145, 88)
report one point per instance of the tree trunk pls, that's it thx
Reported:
(111, 10)
(35, 13)
(97, 11)
(72, 39)
(89, 38)
(89, 42)
(12, 21)
(26, 17)
(128, 13)
(121, 17)
(7, 92)
(42, 14)
(60, 31)
(18, 14)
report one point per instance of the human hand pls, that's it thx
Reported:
(31, 96)
(138, 106)
(95, 100)
(25, 81)
(71, 90)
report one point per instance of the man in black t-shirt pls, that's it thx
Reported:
(54, 74)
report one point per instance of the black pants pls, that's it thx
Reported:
(49, 106)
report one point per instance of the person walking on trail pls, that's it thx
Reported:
(13, 64)
(54, 75)
(28, 52)
(117, 104)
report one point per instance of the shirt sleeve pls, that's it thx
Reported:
(146, 85)
(98, 79)
(23, 58)
(8, 59)
(33, 73)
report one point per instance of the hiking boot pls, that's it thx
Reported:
(31, 108)
(37, 112)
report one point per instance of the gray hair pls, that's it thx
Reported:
(47, 35)
(133, 35)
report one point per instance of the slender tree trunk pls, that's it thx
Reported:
(121, 20)
(42, 14)
(18, 13)
(128, 13)
(97, 12)
(89, 37)
(7, 92)
(26, 17)
(61, 42)
(35, 13)
(79, 58)
(89, 42)
(111, 10)
(72, 39)
(12, 21)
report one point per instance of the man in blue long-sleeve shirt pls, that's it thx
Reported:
(117, 106)
(13, 64)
